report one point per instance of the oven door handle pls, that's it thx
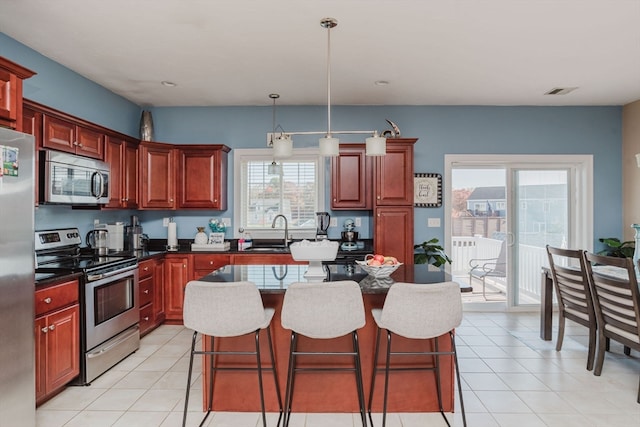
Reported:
(100, 276)
(103, 350)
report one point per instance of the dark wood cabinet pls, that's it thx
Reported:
(177, 273)
(65, 135)
(122, 157)
(11, 78)
(57, 337)
(204, 264)
(277, 259)
(394, 232)
(202, 176)
(157, 176)
(394, 174)
(150, 294)
(351, 179)
(32, 124)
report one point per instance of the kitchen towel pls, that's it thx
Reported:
(172, 234)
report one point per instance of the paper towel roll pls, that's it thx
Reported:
(172, 234)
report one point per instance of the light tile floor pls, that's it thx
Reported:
(510, 378)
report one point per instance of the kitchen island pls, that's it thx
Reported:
(409, 391)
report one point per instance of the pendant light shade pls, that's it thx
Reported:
(329, 147)
(376, 145)
(282, 147)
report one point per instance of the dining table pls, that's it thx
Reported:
(332, 391)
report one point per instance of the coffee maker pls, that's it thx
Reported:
(323, 219)
(134, 236)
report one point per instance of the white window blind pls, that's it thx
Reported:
(294, 193)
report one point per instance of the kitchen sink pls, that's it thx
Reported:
(268, 249)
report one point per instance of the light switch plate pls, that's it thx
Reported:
(433, 222)
(165, 222)
(358, 222)
(333, 222)
(226, 222)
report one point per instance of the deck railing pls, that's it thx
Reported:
(530, 260)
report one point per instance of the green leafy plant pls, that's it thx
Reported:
(429, 252)
(616, 248)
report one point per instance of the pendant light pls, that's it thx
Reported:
(329, 145)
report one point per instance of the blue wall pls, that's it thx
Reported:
(441, 130)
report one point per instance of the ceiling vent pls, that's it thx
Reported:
(561, 90)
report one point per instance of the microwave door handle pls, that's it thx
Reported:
(100, 191)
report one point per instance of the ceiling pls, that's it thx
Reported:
(431, 52)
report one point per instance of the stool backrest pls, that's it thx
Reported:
(324, 309)
(223, 309)
(421, 311)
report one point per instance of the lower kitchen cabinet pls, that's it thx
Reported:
(276, 259)
(177, 272)
(204, 264)
(57, 337)
(150, 294)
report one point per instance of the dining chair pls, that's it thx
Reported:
(321, 311)
(230, 309)
(617, 304)
(575, 301)
(418, 312)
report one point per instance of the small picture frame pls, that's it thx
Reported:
(427, 190)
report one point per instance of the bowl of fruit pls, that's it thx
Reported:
(379, 265)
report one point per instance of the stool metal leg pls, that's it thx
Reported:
(455, 361)
(375, 371)
(186, 400)
(275, 373)
(290, 374)
(359, 382)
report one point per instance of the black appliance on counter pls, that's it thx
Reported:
(109, 312)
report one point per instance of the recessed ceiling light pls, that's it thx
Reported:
(168, 83)
(381, 82)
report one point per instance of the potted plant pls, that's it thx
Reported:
(616, 248)
(429, 252)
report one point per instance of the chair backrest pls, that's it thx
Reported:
(422, 311)
(223, 309)
(323, 309)
(572, 284)
(616, 297)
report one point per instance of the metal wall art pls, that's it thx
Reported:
(427, 190)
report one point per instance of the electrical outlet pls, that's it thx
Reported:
(433, 222)
(358, 222)
(333, 222)
(226, 222)
(165, 222)
(96, 222)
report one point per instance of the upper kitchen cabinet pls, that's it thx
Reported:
(66, 135)
(11, 77)
(157, 176)
(183, 176)
(351, 179)
(122, 157)
(202, 176)
(394, 174)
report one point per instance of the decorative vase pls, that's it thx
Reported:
(201, 237)
(146, 126)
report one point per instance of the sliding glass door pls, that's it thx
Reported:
(504, 211)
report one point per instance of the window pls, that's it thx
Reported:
(294, 192)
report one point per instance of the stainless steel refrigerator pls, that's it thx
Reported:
(17, 369)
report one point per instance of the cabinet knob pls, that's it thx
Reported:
(75, 143)
(171, 200)
(146, 291)
(210, 262)
(184, 265)
(378, 197)
(47, 300)
(52, 327)
(45, 330)
(335, 200)
(146, 269)
(146, 318)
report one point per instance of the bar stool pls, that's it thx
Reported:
(323, 310)
(421, 312)
(229, 309)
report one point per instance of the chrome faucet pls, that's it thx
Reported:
(286, 228)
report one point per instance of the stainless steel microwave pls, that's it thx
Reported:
(73, 180)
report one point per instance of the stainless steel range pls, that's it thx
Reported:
(108, 298)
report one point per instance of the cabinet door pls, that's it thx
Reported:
(394, 175)
(89, 143)
(204, 264)
(113, 155)
(394, 232)
(200, 179)
(351, 179)
(40, 334)
(130, 176)
(158, 292)
(176, 276)
(275, 259)
(58, 134)
(157, 176)
(32, 124)
(63, 347)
